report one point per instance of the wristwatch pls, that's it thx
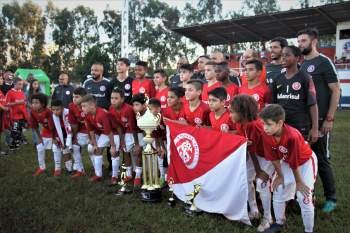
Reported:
(329, 118)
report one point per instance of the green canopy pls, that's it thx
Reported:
(38, 74)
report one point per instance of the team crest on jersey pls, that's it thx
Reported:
(283, 70)
(142, 90)
(228, 98)
(67, 92)
(127, 86)
(198, 121)
(99, 125)
(124, 119)
(181, 119)
(283, 150)
(102, 88)
(163, 98)
(187, 147)
(306, 200)
(256, 97)
(82, 114)
(311, 68)
(224, 127)
(296, 86)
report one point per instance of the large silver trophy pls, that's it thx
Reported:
(151, 191)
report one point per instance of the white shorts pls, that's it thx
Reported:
(308, 172)
(83, 139)
(129, 141)
(267, 167)
(47, 142)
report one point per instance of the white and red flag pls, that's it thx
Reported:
(214, 160)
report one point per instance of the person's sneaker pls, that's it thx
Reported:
(77, 175)
(254, 215)
(329, 206)
(137, 182)
(57, 172)
(95, 179)
(38, 171)
(274, 228)
(265, 224)
(3, 153)
(114, 181)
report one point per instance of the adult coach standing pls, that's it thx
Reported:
(274, 68)
(324, 75)
(99, 86)
(64, 91)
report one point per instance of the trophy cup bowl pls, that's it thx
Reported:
(151, 191)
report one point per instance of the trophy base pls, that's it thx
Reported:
(151, 195)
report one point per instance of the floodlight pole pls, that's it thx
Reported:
(125, 29)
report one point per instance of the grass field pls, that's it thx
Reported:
(48, 204)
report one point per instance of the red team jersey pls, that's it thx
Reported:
(292, 148)
(77, 117)
(232, 90)
(19, 111)
(172, 115)
(207, 89)
(199, 117)
(115, 119)
(253, 131)
(43, 118)
(127, 118)
(99, 122)
(223, 123)
(4, 115)
(261, 94)
(162, 96)
(146, 86)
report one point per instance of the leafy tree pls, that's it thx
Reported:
(3, 44)
(262, 6)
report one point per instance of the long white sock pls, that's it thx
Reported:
(69, 165)
(133, 160)
(98, 165)
(265, 197)
(77, 158)
(279, 208)
(128, 171)
(57, 156)
(138, 172)
(41, 156)
(307, 212)
(161, 167)
(252, 198)
(92, 158)
(115, 166)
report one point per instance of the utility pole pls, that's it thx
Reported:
(125, 29)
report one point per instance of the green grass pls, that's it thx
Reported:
(48, 204)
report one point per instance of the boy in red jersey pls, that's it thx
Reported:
(295, 165)
(128, 121)
(254, 87)
(220, 119)
(62, 131)
(196, 112)
(99, 127)
(41, 115)
(80, 133)
(244, 111)
(175, 110)
(212, 83)
(141, 84)
(222, 71)
(161, 87)
(16, 101)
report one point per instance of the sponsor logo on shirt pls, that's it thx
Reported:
(288, 96)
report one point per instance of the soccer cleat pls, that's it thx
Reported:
(274, 228)
(127, 179)
(114, 180)
(77, 175)
(254, 215)
(137, 182)
(95, 179)
(265, 224)
(57, 172)
(329, 206)
(38, 172)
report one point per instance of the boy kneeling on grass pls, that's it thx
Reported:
(295, 164)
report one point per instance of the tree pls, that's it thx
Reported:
(262, 6)
(3, 44)
(205, 11)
